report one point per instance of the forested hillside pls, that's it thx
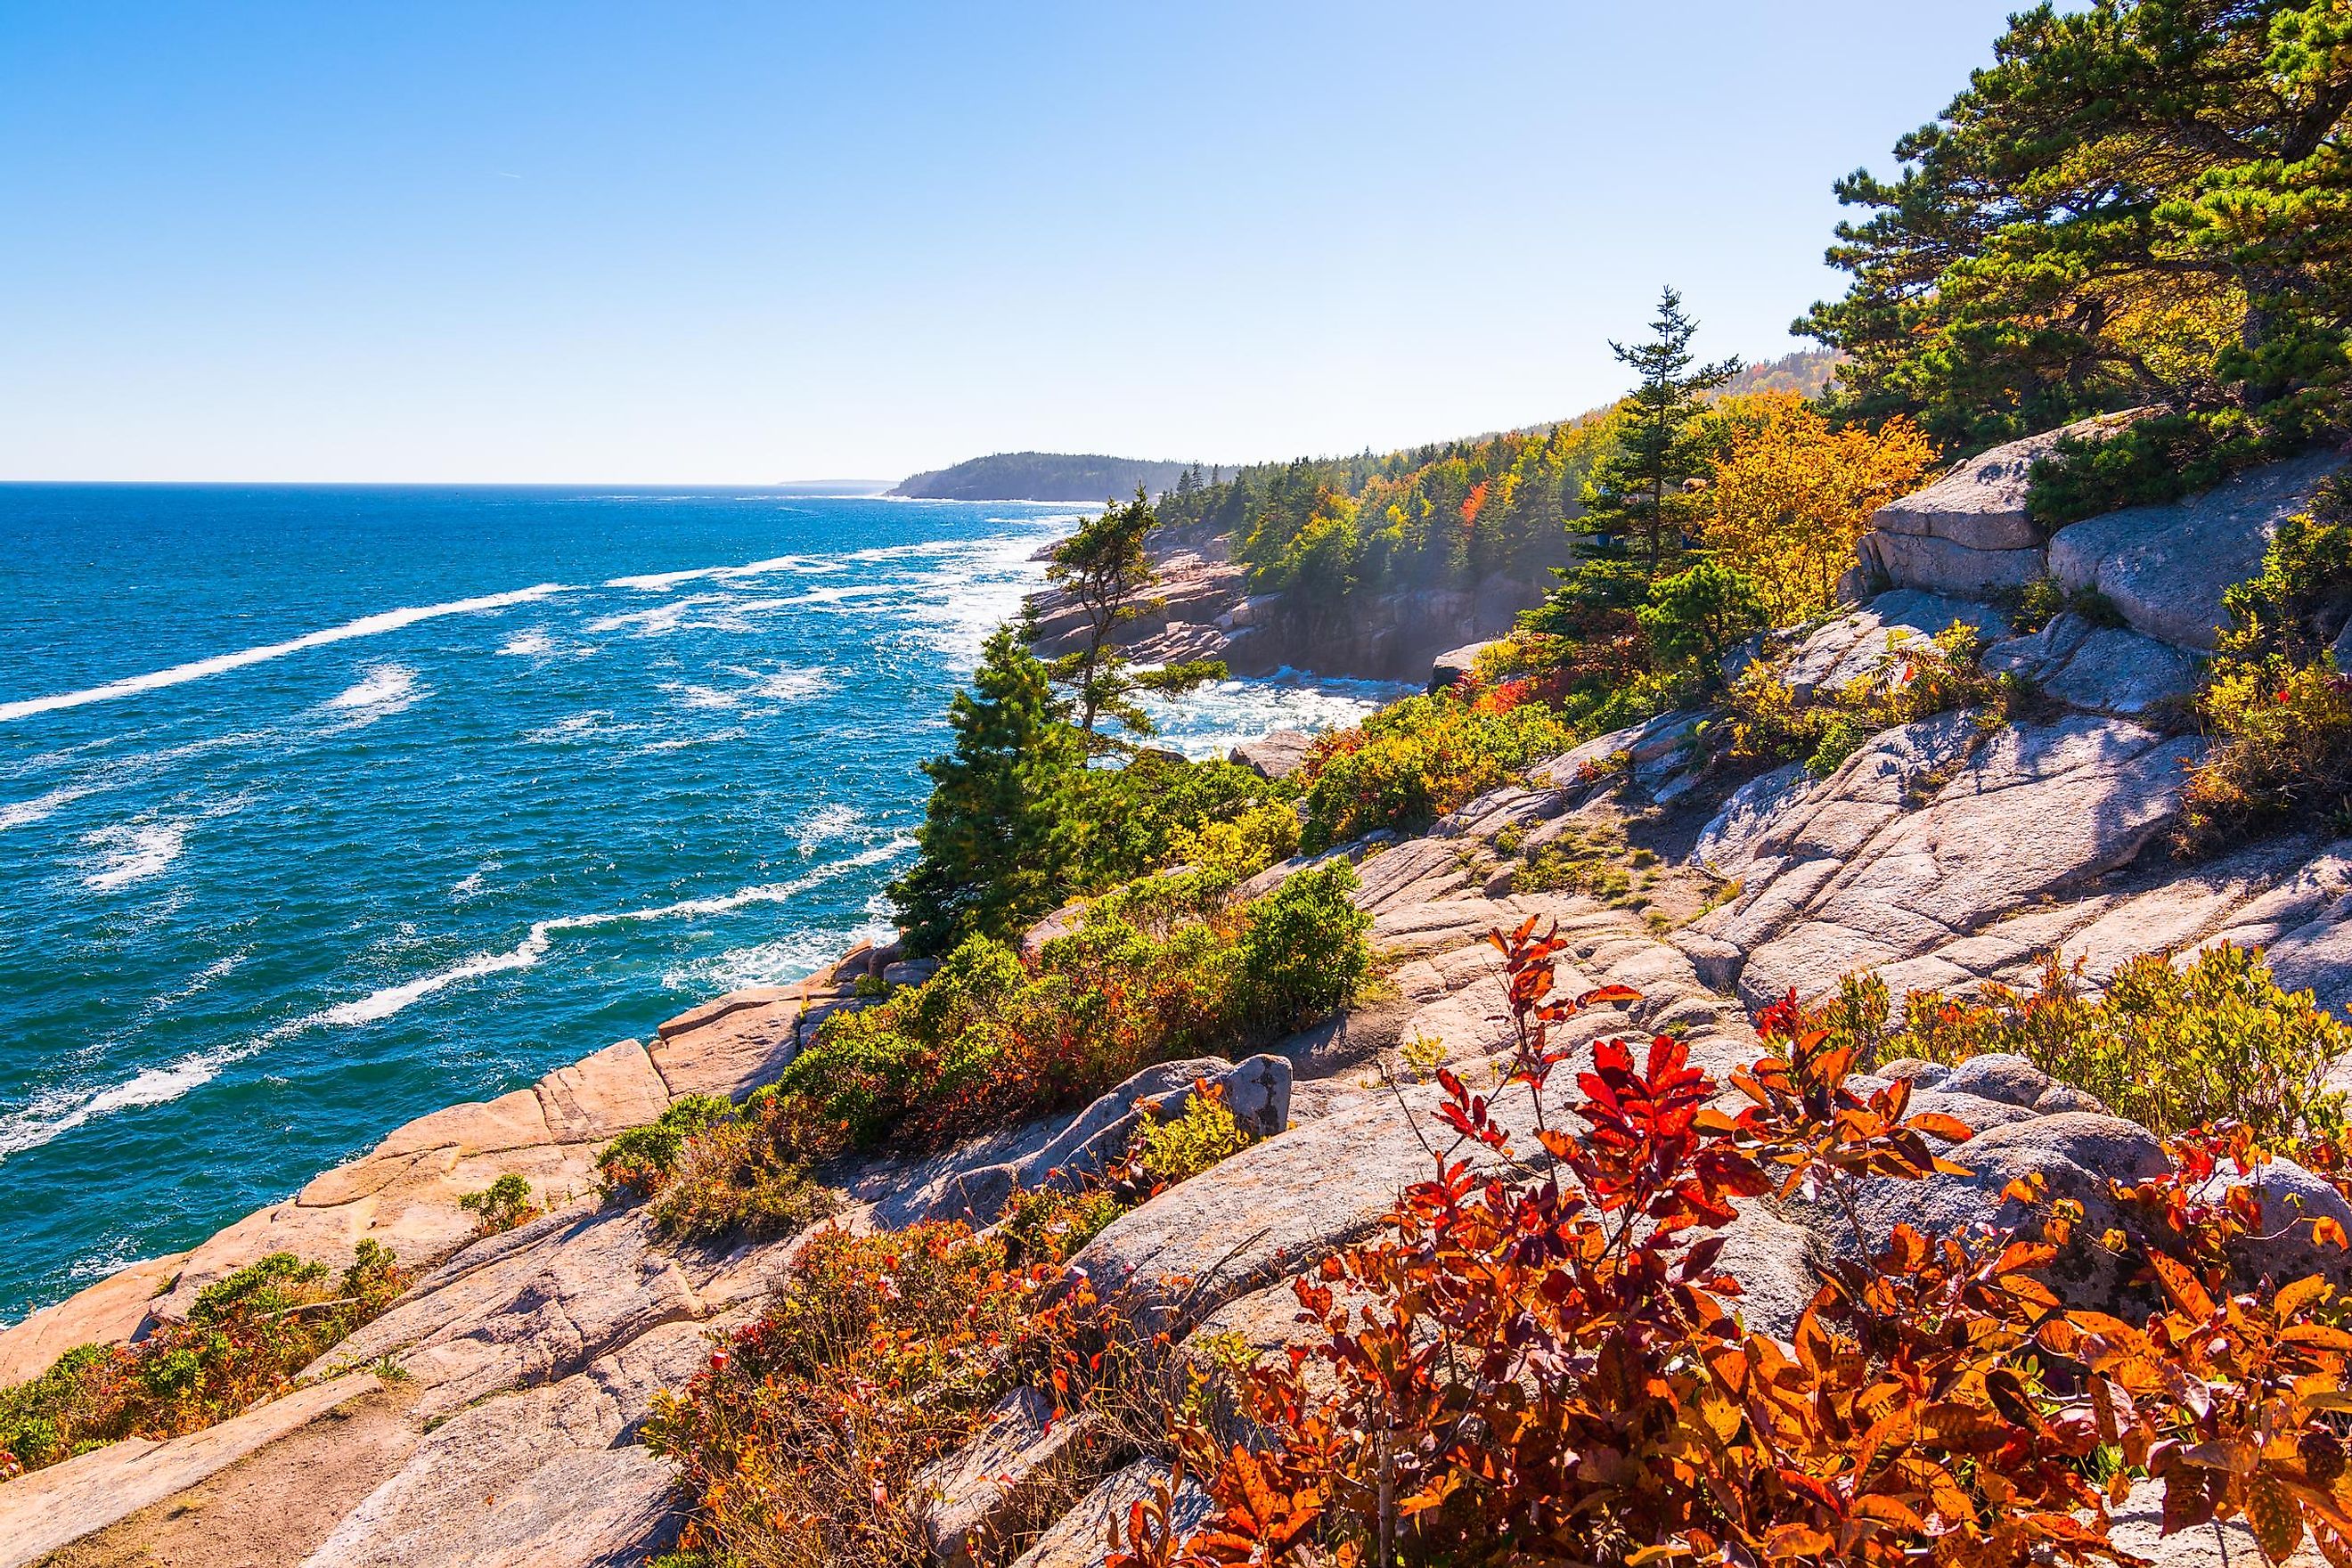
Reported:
(1041, 475)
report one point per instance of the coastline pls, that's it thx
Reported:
(403, 1193)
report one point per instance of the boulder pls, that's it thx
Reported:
(1274, 755)
(1970, 531)
(1980, 504)
(1449, 667)
(2165, 567)
(964, 1500)
(1081, 1538)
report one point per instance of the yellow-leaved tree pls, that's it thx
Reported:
(1792, 495)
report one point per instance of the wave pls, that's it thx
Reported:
(382, 1004)
(132, 852)
(382, 690)
(778, 963)
(52, 1115)
(660, 581)
(24, 812)
(695, 613)
(531, 644)
(365, 626)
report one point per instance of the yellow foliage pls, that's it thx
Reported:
(1792, 496)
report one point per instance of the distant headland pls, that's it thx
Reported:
(1043, 476)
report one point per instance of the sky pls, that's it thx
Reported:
(726, 244)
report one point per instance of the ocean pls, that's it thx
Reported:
(324, 807)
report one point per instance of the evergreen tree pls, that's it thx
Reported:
(2139, 201)
(1637, 489)
(1106, 570)
(989, 864)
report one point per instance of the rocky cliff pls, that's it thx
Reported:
(495, 1422)
(1201, 608)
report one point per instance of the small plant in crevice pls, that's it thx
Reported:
(505, 1203)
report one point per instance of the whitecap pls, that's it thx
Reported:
(572, 727)
(53, 1114)
(778, 963)
(1213, 718)
(132, 852)
(531, 644)
(383, 1003)
(367, 626)
(382, 690)
(827, 824)
(726, 613)
(680, 743)
(24, 812)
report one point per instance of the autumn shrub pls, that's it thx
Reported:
(1540, 1360)
(1793, 495)
(2277, 711)
(635, 1163)
(736, 1177)
(1242, 846)
(1170, 967)
(2171, 1046)
(505, 1203)
(1415, 760)
(244, 1339)
(1918, 679)
(878, 1353)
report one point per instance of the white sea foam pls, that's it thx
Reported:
(573, 727)
(365, 626)
(778, 963)
(1210, 722)
(828, 823)
(132, 852)
(56, 1112)
(24, 812)
(531, 644)
(382, 690)
(661, 581)
(680, 743)
(389, 1000)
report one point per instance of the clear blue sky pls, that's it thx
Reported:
(686, 243)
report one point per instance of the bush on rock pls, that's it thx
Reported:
(244, 1339)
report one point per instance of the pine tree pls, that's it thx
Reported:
(1638, 488)
(988, 862)
(2139, 202)
(1106, 571)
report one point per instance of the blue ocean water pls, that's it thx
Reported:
(324, 807)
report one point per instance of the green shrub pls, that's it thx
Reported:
(1416, 760)
(500, 1206)
(637, 1162)
(2151, 460)
(2278, 712)
(244, 1339)
(1699, 615)
(2171, 1048)
(1168, 967)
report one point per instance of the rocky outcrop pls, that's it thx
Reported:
(2163, 568)
(1276, 756)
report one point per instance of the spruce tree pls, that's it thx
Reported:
(1637, 489)
(989, 863)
